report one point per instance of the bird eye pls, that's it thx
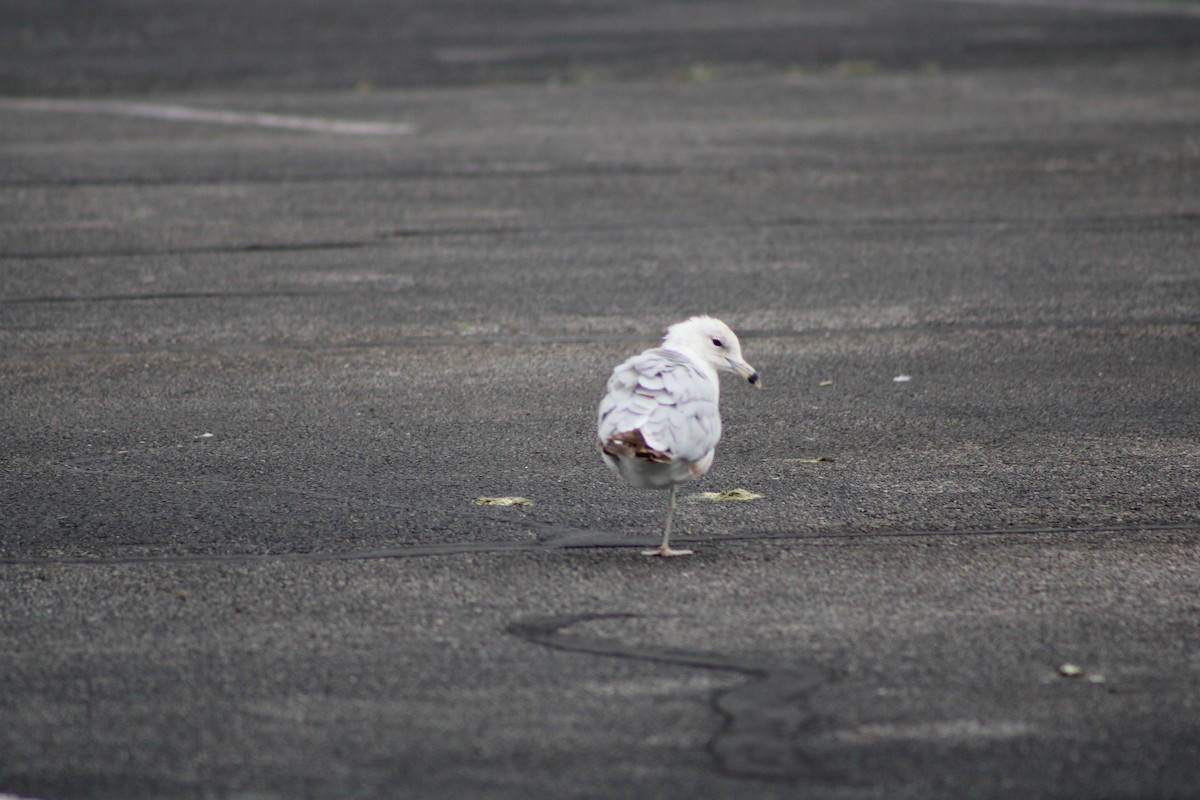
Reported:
(717, 342)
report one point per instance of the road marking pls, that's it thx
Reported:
(1168, 8)
(176, 113)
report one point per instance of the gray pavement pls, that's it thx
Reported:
(257, 363)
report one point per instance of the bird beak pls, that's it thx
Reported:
(746, 371)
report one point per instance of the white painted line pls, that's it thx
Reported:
(1168, 8)
(211, 116)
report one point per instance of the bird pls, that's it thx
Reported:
(659, 422)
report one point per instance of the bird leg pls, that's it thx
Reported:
(664, 549)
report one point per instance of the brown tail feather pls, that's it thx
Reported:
(631, 444)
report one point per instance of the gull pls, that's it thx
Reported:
(659, 423)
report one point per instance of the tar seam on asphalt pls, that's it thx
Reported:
(948, 327)
(556, 538)
(764, 720)
(1185, 220)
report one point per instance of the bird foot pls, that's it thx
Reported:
(665, 552)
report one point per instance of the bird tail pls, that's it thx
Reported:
(632, 444)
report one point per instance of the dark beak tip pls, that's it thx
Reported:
(754, 379)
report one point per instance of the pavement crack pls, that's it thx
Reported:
(1167, 221)
(933, 327)
(144, 252)
(765, 721)
(599, 540)
(548, 632)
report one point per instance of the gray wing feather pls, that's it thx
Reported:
(665, 396)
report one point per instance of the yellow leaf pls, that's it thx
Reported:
(728, 494)
(503, 501)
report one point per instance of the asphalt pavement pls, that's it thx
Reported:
(284, 292)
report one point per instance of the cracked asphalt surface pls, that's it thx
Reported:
(256, 367)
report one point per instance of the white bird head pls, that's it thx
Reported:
(712, 342)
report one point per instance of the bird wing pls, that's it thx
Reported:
(666, 397)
